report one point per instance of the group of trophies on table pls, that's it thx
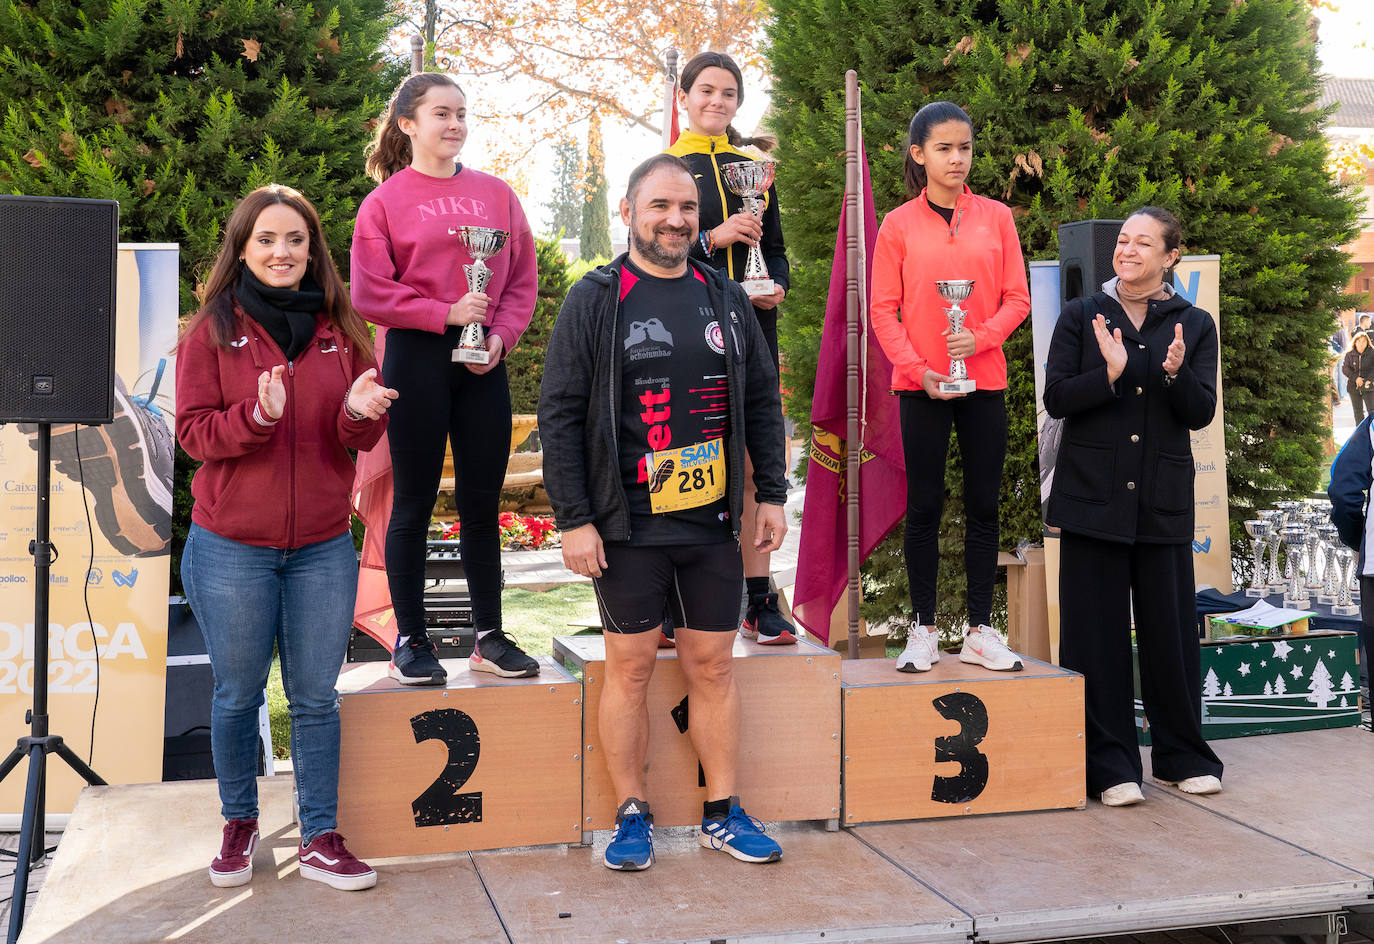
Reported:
(1316, 563)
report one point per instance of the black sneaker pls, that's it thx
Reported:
(417, 662)
(764, 622)
(498, 654)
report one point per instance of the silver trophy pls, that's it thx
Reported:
(1312, 523)
(1275, 519)
(1330, 574)
(1345, 605)
(954, 291)
(751, 180)
(1294, 544)
(1258, 529)
(481, 242)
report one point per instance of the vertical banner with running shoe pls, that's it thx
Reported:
(117, 566)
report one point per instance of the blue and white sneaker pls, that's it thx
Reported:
(740, 835)
(631, 849)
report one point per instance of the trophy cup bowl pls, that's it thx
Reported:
(750, 180)
(1258, 529)
(1345, 605)
(481, 242)
(954, 291)
(1294, 544)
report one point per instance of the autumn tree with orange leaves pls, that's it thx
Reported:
(575, 56)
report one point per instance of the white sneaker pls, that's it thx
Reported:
(1123, 794)
(1198, 786)
(982, 646)
(922, 650)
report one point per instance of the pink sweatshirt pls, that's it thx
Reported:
(408, 261)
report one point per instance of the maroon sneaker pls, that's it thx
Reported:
(326, 860)
(234, 864)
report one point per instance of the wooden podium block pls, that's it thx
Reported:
(960, 739)
(482, 763)
(789, 754)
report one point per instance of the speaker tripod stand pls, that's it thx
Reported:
(39, 743)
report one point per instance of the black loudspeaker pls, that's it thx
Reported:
(57, 304)
(1085, 257)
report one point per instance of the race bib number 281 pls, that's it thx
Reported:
(687, 477)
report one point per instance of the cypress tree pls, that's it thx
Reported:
(1086, 109)
(596, 220)
(565, 202)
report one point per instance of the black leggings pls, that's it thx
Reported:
(981, 421)
(442, 401)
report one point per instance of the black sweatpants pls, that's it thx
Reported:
(981, 421)
(442, 401)
(1097, 582)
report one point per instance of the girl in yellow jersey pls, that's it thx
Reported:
(710, 91)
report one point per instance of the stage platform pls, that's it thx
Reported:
(1291, 836)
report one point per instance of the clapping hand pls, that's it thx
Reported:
(368, 397)
(1173, 359)
(1113, 351)
(272, 393)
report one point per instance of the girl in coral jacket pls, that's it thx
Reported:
(712, 89)
(947, 232)
(276, 384)
(408, 278)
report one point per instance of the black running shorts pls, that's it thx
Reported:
(698, 584)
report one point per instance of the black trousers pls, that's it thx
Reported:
(981, 421)
(439, 402)
(1097, 582)
(1361, 401)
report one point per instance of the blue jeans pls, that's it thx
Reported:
(245, 598)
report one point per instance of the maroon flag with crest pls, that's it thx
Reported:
(822, 568)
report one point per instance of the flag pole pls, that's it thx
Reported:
(851, 301)
(669, 94)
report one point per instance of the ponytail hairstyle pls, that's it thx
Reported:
(922, 124)
(217, 296)
(390, 149)
(706, 60)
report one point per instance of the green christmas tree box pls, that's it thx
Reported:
(1271, 685)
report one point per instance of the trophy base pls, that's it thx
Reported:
(958, 386)
(1299, 603)
(471, 355)
(755, 287)
(1326, 599)
(1345, 611)
(1277, 587)
(1257, 591)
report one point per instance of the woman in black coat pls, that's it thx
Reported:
(1132, 370)
(1358, 368)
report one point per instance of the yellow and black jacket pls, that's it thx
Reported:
(706, 155)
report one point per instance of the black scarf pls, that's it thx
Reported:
(288, 315)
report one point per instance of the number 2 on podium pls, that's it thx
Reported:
(441, 804)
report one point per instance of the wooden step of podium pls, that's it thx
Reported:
(481, 763)
(789, 735)
(960, 740)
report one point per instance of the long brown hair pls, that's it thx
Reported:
(217, 297)
(390, 148)
(719, 60)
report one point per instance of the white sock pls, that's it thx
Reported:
(484, 633)
(401, 642)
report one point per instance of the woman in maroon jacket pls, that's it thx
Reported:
(276, 382)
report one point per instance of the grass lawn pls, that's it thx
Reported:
(532, 618)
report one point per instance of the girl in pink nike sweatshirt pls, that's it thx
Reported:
(408, 278)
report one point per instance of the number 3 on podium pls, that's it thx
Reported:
(972, 715)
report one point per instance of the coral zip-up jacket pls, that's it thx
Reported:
(915, 249)
(270, 486)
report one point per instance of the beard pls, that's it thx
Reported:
(654, 251)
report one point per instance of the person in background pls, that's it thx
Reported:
(1132, 371)
(275, 384)
(1358, 368)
